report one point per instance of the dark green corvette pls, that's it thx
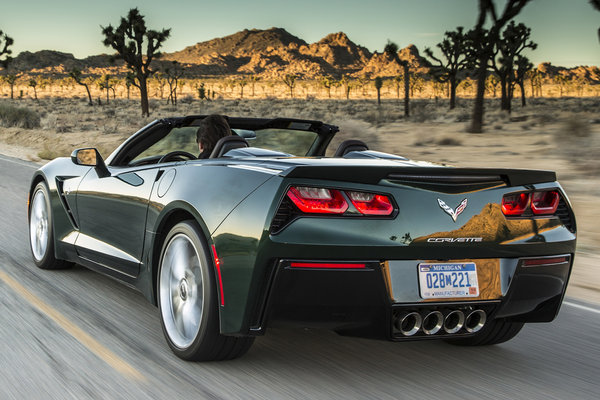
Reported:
(365, 243)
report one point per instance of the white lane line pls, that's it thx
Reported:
(18, 162)
(586, 308)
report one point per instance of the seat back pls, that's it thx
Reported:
(227, 143)
(350, 145)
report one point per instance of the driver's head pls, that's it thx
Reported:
(211, 129)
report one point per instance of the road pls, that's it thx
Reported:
(75, 334)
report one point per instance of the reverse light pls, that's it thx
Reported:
(318, 200)
(370, 203)
(545, 203)
(515, 204)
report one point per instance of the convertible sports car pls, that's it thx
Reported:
(270, 230)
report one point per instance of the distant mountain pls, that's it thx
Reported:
(270, 54)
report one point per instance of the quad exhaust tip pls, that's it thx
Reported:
(433, 322)
(475, 321)
(454, 321)
(409, 324)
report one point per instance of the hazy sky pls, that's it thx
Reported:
(565, 30)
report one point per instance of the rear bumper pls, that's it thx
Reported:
(370, 302)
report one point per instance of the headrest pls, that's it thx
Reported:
(350, 145)
(227, 143)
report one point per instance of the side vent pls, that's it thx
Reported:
(286, 213)
(565, 215)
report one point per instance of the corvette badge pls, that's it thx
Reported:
(453, 213)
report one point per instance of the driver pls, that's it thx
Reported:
(211, 129)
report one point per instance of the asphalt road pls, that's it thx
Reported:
(76, 334)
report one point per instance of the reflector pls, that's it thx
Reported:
(327, 265)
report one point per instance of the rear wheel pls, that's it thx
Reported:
(188, 302)
(493, 332)
(41, 233)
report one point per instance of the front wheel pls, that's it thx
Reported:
(188, 302)
(41, 233)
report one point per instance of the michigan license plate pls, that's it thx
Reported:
(439, 281)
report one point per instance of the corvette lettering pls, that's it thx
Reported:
(455, 240)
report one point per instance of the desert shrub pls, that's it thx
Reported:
(575, 127)
(449, 141)
(21, 117)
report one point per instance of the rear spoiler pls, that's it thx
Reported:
(438, 175)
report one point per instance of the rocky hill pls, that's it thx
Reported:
(270, 54)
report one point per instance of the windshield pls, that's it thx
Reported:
(283, 140)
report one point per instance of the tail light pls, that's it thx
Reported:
(543, 203)
(370, 203)
(318, 200)
(515, 204)
(540, 203)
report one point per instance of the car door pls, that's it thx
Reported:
(112, 217)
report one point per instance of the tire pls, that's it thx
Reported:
(41, 230)
(494, 332)
(188, 301)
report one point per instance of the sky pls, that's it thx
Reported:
(565, 30)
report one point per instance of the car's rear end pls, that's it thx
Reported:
(415, 252)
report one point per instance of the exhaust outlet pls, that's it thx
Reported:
(433, 322)
(454, 321)
(475, 321)
(409, 324)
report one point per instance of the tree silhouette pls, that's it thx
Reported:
(483, 42)
(172, 74)
(515, 39)
(130, 39)
(77, 77)
(453, 50)
(521, 72)
(32, 83)
(253, 80)
(391, 52)
(5, 42)
(347, 84)
(290, 82)
(378, 85)
(242, 82)
(11, 79)
(596, 5)
(327, 82)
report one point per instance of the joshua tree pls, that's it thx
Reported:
(453, 51)
(483, 44)
(290, 82)
(11, 79)
(242, 82)
(130, 39)
(77, 77)
(346, 83)
(5, 42)
(416, 83)
(391, 52)
(491, 83)
(561, 81)
(514, 40)
(172, 74)
(105, 83)
(378, 85)
(327, 82)
(596, 5)
(253, 80)
(32, 83)
(521, 72)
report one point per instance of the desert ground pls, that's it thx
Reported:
(560, 134)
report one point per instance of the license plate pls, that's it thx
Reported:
(439, 281)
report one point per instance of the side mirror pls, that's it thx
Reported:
(90, 157)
